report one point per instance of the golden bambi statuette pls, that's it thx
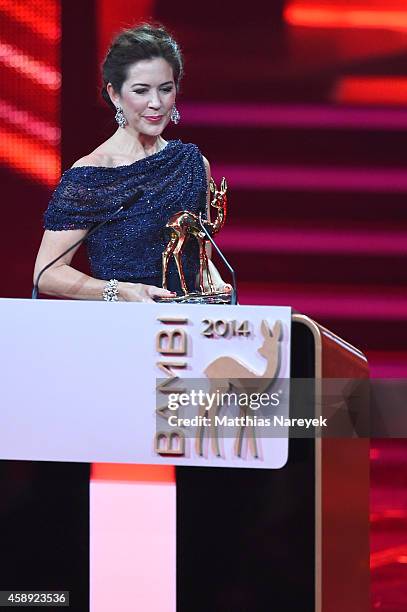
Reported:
(183, 225)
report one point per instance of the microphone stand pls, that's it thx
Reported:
(233, 298)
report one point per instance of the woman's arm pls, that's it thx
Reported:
(219, 284)
(64, 281)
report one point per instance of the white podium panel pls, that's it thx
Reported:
(79, 379)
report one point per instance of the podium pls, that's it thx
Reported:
(289, 539)
(293, 536)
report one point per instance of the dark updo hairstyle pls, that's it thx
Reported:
(143, 42)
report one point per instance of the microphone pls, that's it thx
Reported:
(134, 198)
(233, 298)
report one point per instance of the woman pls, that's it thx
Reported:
(141, 75)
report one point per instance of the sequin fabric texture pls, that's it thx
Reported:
(129, 248)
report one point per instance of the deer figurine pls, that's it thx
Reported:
(227, 372)
(185, 224)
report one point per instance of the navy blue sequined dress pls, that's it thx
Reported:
(129, 248)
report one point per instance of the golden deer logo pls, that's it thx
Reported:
(227, 373)
(185, 224)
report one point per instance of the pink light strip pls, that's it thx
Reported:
(29, 124)
(255, 115)
(132, 546)
(282, 240)
(290, 178)
(387, 365)
(31, 68)
(322, 302)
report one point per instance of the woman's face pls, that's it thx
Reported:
(147, 96)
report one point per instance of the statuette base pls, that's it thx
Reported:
(219, 297)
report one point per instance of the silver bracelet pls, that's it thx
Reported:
(111, 291)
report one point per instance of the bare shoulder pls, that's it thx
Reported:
(206, 164)
(207, 168)
(95, 158)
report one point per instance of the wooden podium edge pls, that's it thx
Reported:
(313, 327)
(326, 450)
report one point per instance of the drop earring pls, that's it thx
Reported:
(175, 116)
(119, 116)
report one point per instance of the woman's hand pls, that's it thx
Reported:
(219, 286)
(218, 283)
(137, 292)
